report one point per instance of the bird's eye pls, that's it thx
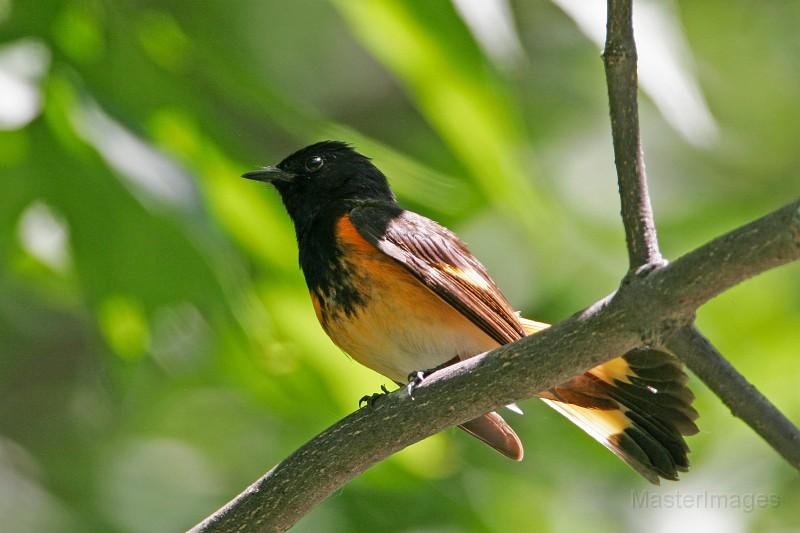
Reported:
(314, 163)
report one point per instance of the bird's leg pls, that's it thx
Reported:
(370, 399)
(418, 376)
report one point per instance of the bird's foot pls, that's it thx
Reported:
(370, 399)
(415, 379)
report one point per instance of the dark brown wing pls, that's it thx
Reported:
(442, 262)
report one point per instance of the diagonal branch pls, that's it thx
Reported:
(742, 398)
(646, 307)
(620, 61)
(726, 264)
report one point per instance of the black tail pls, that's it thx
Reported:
(637, 406)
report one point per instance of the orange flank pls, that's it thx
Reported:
(317, 306)
(403, 325)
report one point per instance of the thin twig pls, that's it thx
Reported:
(620, 61)
(742, 398)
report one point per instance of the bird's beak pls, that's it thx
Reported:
(269, 174)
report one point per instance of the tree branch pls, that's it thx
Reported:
(620, 61)
(734, 257)
(742, 398)
(647, 308)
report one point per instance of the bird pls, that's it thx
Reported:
(403, 295)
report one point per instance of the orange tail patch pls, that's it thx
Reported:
(637, 406)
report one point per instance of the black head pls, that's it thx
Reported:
(321, 176)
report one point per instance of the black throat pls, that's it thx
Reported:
(328, 273)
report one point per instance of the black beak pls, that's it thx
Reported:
(269, 174)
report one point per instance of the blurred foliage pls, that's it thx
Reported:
(157, 348)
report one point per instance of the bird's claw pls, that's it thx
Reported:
(370, 399)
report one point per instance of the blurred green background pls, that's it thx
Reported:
(158, 351)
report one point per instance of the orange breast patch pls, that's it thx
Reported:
(349, 237)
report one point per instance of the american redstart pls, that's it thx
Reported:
(400, 294)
